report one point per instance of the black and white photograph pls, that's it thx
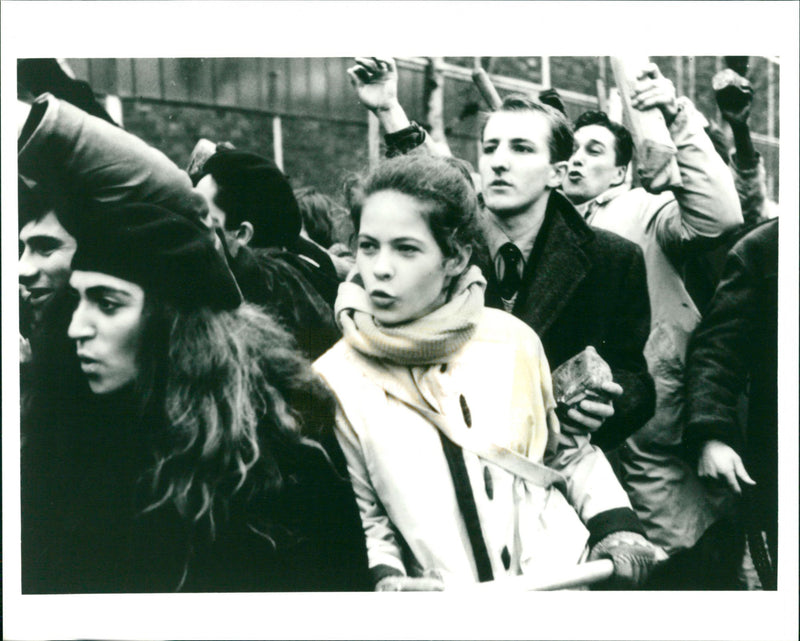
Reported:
(496, 328)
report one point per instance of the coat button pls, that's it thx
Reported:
(487, 481)
(443, 368)
(505, 557)
(465, 410)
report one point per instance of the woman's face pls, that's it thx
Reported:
(404, 271)
(106, 327)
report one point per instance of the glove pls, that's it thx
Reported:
(633, 557)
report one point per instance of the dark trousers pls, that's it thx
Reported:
(712, 564)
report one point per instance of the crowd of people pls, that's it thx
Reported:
(514, 369)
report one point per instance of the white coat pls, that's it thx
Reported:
(498, 387)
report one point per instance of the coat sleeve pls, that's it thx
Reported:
(624, 352)
(591, 486)
(383, 549)
(716, 369)
(85, 157)
(706, 203)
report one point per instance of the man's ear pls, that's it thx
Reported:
(619, 178)
(558, 171)
(244, 234)
(455, 265)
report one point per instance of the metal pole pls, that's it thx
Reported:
(602, 93)
(277, 141)
(546, 72)
(770, 99)
(679, 75)
(692, 92)
(373, 139)
(771, 120)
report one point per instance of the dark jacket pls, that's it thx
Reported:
(585, 286)
(736, 343)
(294, 291)
(84, 530)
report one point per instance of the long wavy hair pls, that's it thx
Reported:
(230, 389)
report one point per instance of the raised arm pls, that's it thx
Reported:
(375, 82)
(65, 148)
(706, 203)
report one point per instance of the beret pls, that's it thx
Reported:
(160, 251)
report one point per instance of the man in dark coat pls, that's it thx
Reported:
(251, 202)
(736, 343)
(574, 285)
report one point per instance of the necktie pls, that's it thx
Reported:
(509, 268)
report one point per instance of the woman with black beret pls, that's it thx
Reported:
(188, 463)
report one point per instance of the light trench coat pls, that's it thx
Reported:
(674, 505)
(497, 388)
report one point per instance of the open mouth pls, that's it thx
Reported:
(382, 299)
(88, 364)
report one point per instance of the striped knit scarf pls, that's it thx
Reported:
(424, 341)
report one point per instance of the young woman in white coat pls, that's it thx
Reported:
(446, 411)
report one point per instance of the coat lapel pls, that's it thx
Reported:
(562, 265)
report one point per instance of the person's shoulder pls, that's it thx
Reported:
(337, 356)
(639, 205)
(612, 245)
(761, 234)
(344, 367)
(759, 246)
(499, 326)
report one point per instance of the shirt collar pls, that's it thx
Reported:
(601, 199)
(496, 237)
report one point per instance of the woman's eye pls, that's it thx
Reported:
(487, 149)
(407, 250)
(524, 149)
(366, 246)
(107, 305)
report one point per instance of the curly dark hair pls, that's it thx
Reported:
(230, 386)
(623, 143)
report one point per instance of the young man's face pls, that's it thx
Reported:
(515, 166)
(593, 165)
(46, 250)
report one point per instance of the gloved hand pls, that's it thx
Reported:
(430, 582)
(633, 557)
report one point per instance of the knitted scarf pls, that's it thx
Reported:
(424, 341)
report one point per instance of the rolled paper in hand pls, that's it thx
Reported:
(656, 164)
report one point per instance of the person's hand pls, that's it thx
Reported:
(720, 461)
(589, 415)
(734, 96)
(375, 82)
(652, 89)
(633, 557)
(426, 583)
